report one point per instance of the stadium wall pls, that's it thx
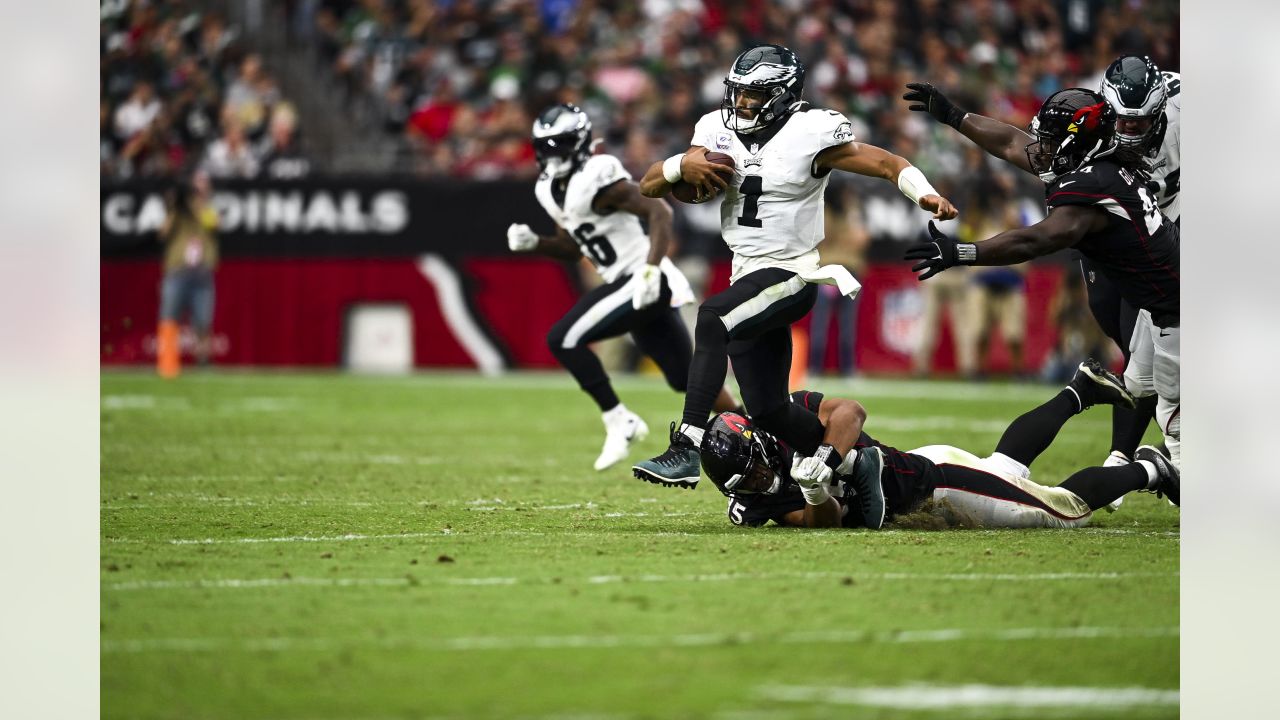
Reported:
(298, 256)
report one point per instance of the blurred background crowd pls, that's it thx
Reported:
(448, 89)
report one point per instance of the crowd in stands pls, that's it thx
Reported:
(180, 93)
(460, 80)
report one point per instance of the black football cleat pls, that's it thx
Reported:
(1168, 478)
(679, 466)
(866, 481)
(1095, 384)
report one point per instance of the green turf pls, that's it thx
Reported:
(327, 546)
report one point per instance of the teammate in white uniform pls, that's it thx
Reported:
(772, 219)
(597, 211)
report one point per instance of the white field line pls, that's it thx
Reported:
(559, 642)
(951, 697)
(304, 582)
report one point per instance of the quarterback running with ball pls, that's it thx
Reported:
(597, 210)
(772, 218)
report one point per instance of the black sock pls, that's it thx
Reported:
(1099, 486)
(1033, 431)
(604, 395)
(1128, 426)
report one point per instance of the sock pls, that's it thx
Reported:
(1152, 473)
(1099, 486)
(693, 433)
(616, 412)
(1116, 459)
(1033, 431)
(1128, 426)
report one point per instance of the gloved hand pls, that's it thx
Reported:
(931, 100)
(810, 472)
(520, 238)
(647, 286)
(940, 254)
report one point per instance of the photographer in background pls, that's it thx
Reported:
(190, 257)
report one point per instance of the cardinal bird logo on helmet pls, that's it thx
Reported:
(1086, 117)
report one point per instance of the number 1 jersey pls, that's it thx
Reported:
(774, 206)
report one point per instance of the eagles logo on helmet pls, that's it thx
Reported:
(762, 87)
(561, 139)
(1073, 127)
(1135, 88)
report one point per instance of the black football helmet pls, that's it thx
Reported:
(1135, 88)
(741, 459)
(1074, 127)
(561, 139)
(772, 77)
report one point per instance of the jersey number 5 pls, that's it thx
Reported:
(597, 247)
(752, 188)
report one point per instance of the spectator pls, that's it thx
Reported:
(230, 155)
(281, 158)
(1079, 336)
(137, 114)
(190, 258)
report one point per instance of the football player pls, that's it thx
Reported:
(1099, 204)
(856, 481)
(1148, 105)
(597, 210)
(772, 219)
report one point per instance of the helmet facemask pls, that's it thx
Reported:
(740, 459)
(762, 87)
(561, 139)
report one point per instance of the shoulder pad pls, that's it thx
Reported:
(602, 170)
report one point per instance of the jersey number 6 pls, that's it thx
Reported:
(597, 247)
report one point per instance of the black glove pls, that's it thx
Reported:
(940, 254)
(932, 101)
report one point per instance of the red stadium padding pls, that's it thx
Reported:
(291, 312)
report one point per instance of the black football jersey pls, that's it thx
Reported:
(907, 480)
(1138, 249)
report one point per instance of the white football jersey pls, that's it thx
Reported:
(774, 207)
(1167, 167)
(615, 243)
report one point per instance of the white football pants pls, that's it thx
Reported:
(1154, 369)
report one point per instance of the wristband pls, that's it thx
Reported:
(817, 494)
(914, 185)
(829, 456)
(671, 168)
(966, 253)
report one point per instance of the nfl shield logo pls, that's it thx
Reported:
(900, 315)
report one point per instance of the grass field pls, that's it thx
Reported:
(326, 546)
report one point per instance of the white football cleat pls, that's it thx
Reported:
(621, 430)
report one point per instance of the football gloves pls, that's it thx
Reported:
(939, 254)
(931, 100)
(520, 238)
(815, 474)
(646, 286)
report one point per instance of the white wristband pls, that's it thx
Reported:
(671, 168)
(817, 494)
(914, 185)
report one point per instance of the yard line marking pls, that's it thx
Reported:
(292, 538)
(234, 583)
(949, 697)
(568, 642)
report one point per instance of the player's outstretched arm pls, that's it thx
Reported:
(1065, 226)
(690, 166)
(522, 239)
(872, 161)
(1000, 139)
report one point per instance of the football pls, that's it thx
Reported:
(686, 193)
